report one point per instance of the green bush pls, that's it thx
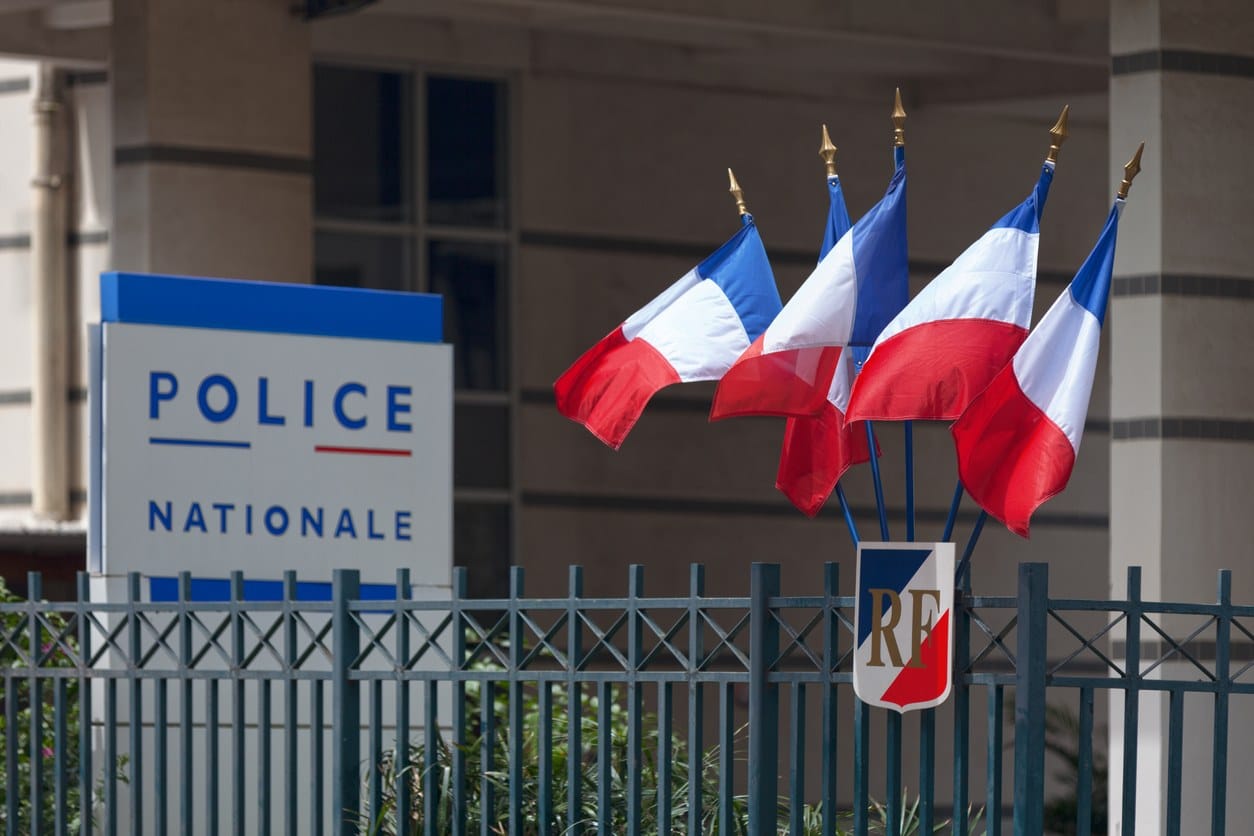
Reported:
(15, 629)
(705, 771)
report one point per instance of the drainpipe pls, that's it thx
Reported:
(50, 493)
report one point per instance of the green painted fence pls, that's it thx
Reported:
(638, 714)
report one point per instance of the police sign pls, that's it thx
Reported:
(267, 427)
(904, 654)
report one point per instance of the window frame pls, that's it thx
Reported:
(417, 235)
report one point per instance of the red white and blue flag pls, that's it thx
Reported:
(1017, 442)
(693, 331)
(818, 449)
(903, 659)
(962, 329)
(854, 292)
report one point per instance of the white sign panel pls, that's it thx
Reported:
(263, 452)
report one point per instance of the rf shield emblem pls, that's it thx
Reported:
(904, 613)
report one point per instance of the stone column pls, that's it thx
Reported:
(211, 136)
(1182, 403)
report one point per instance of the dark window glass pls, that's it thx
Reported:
(481, 446)
(466, 152)
(362, 141)
(351, 260)
(481, 535)
(471, 278)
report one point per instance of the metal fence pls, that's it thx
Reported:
(577, 714)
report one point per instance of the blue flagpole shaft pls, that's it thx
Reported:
(964, 565)
(879, 486)
(909, 433)
(844, 509)
(953, 513)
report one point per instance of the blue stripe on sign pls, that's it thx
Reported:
(200, 442)
(1091, 286)
(271, 307)
(743, 272)
(1027, 215)
(161, 590)
(884, 569)
(880, 262)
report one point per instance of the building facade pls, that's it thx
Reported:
(548, 166)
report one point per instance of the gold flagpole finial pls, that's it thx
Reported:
(1130, 171)
(899, 121)
(1058, 135)
(828, 153)
(737, 193)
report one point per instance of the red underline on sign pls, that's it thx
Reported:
(362, 451)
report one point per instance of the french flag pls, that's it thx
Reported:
(693, 331)
(962, 329)
(818, 449)
(1017, 441)
(854, 292)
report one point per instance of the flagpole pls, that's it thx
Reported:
(899, 158)
(827, 153)
(953, 512)
(964, 565)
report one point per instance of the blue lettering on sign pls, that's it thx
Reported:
(395, 409)
(345, 390)
(156, 394)
(218, 400)
(278, 520)
(217, 416)
(263, 398)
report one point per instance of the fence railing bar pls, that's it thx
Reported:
(995, 639)
(315, 640)
(515, 695)
(186, 717)
(12, 789)
(265, 778)
(763, 700)
(797, 763)
(605, 699)
(373, 639)
(1131, 698)
(400, 757)
(263, 638)
(430, 762)
(725, 639)
(34, 685)
(927, 770)
(291, 792)
(374, 765)
(239, 770)
(487, 742)
(60, 751)
(574, 706)
(428, 639)
(1178, 647)
(317, 735)
(1084, 765)
(1175, 760)
(993, 758)
(696, 707)
(797, 639)
(726, 758)
(831, 719)
(861, 766)
(665, 639)
(665, 756)
(1087, 643)
(211, 755)
(543, 641)
(602, 639)
(1219, 763)
(544, 760)
(962, 707)
(110, 758)
(635, 705)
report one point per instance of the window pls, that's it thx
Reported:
(410, 193)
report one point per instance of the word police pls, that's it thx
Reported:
(217, 399)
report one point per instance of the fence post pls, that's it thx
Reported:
(1030, 665)
(763, 700)
(346, 704)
